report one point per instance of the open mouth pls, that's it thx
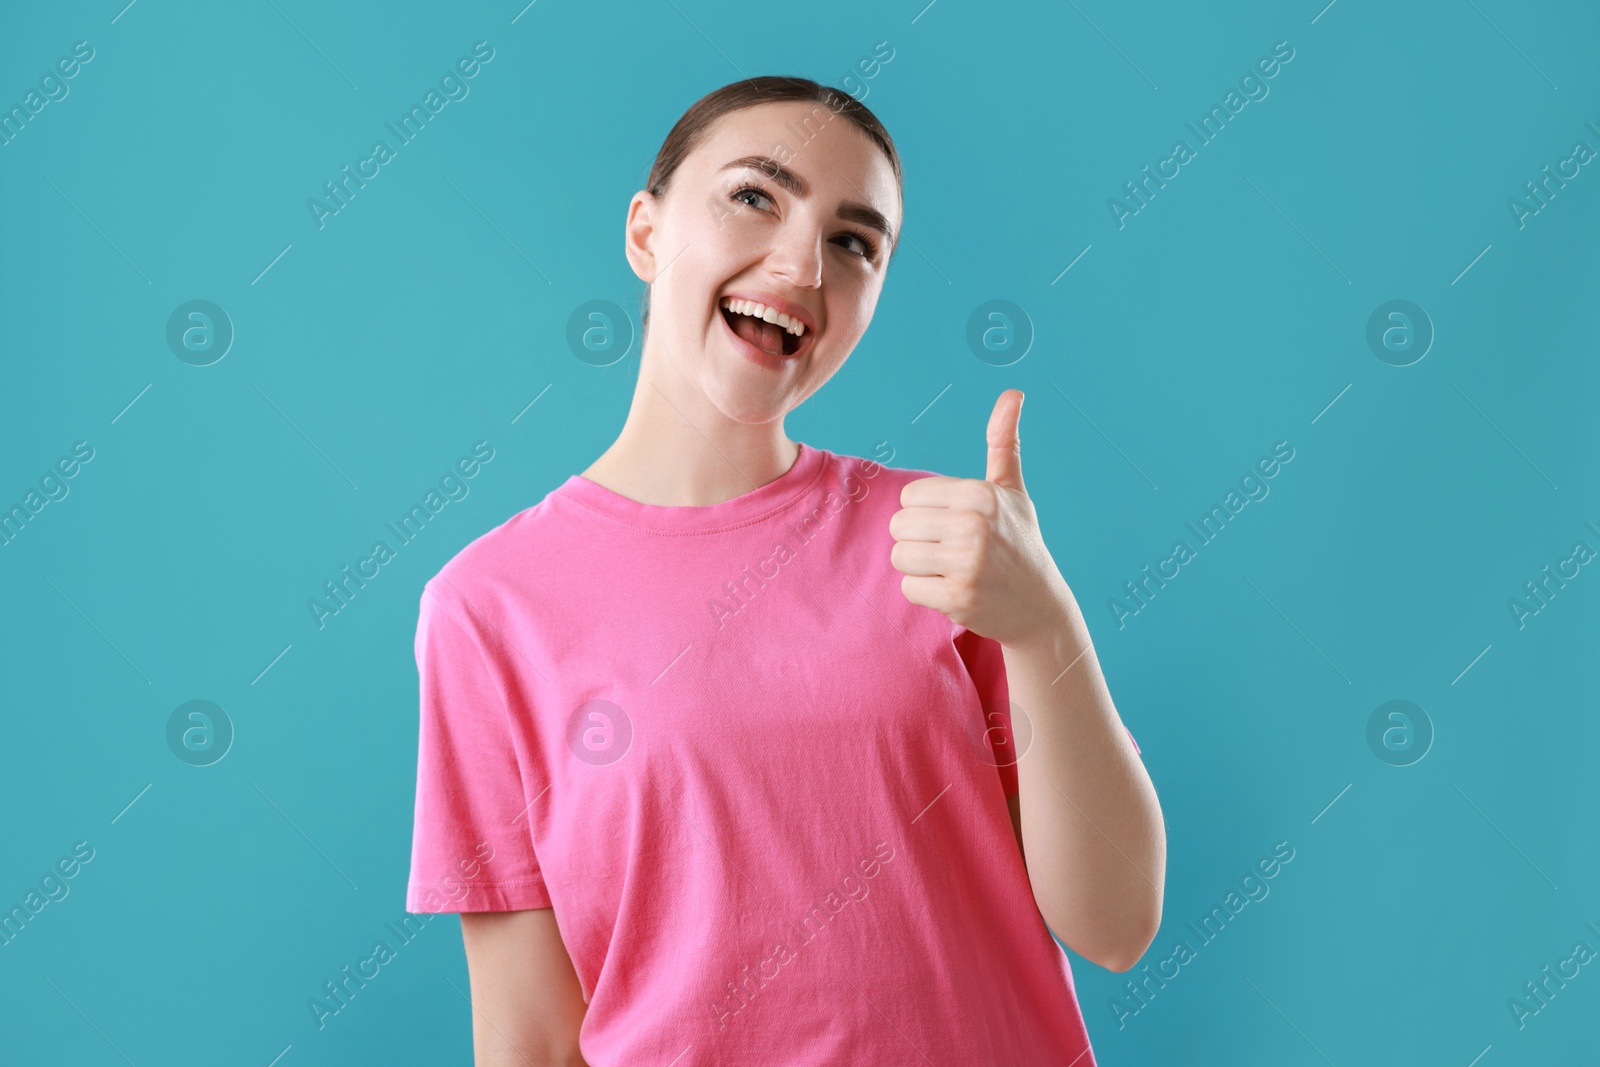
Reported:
(749, 323)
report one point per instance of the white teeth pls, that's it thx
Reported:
(761, 311)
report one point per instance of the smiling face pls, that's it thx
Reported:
(780, 204)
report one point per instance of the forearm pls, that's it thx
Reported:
(1094, 841)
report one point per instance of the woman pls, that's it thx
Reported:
(715, 758)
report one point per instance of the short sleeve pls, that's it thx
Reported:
(986, 664)
(471, 848)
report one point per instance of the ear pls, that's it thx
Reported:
(639, 234)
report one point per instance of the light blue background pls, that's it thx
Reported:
(1226, 316)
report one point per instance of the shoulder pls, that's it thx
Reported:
(849, 472)
(515, 547)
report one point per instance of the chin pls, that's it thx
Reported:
(751, 410)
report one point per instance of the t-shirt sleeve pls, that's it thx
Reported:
(471, 848)
(986, 664)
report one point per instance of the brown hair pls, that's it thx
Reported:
(692, 128)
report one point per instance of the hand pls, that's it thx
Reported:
(972, 549)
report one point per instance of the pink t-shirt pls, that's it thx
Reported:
(764, 793)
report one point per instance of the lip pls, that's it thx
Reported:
(777, 303)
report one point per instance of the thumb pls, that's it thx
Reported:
(1004, 466)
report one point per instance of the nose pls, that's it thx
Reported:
(797, 253)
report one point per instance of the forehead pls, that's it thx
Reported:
(836, 158)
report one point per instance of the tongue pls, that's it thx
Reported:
(767, 336)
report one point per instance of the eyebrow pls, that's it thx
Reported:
(849, 210)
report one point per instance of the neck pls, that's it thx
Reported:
(677, 449)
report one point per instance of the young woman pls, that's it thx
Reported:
(716, 758)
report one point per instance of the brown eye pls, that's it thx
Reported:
(870, 248)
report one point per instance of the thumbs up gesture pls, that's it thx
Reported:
(972, 548)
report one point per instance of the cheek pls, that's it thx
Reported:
(852, 313)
